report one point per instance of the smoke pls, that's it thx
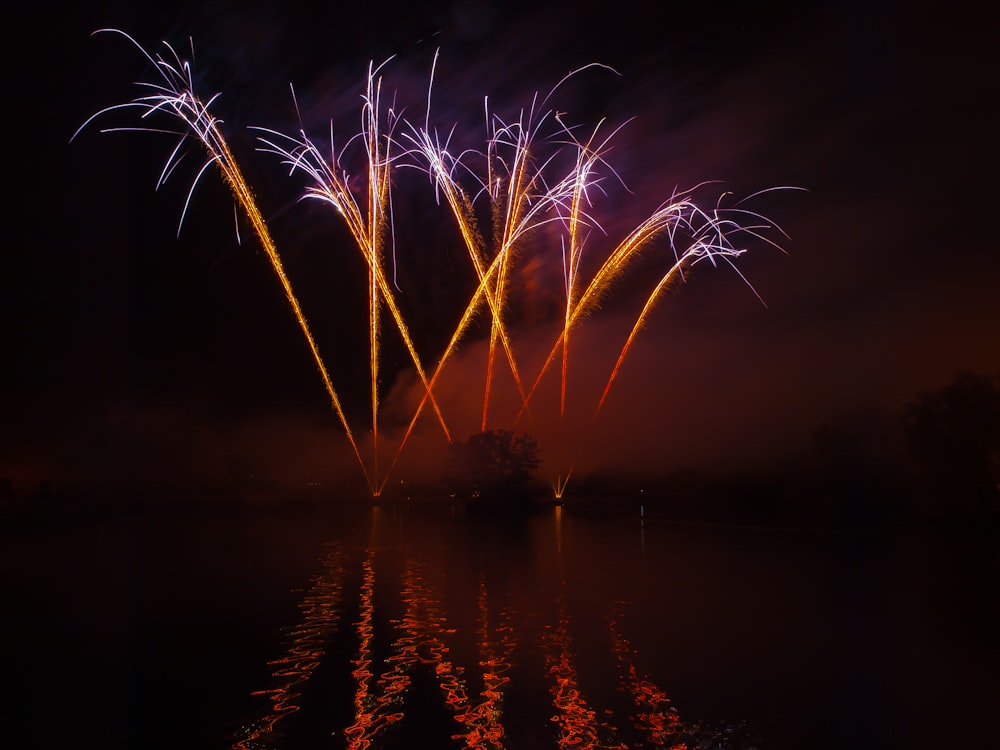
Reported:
(182, 446)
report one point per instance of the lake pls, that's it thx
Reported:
(216, 625)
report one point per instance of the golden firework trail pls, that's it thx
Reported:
(520, 202)
(692, 233)
(368, 226)
(711, 239)
(175, 96)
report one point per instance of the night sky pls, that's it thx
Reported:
(133, 356)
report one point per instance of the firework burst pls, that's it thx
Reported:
(174, 95)
(533, 171)
(527, 185)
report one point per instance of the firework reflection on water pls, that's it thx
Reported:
(431, 640)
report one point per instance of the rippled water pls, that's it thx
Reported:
(422, 628)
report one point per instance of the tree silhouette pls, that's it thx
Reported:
(954, 434)
(493, 467)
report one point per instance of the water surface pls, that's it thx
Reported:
(404, 627)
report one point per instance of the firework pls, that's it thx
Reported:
(174, 95)
(525, 190)
(368, 220)
(533, 171)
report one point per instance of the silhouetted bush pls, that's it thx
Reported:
(493, 468)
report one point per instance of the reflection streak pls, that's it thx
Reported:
(578, 722)
(321, 611)
(656, 716)
(485, 730)
(371, 713)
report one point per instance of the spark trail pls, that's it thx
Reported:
(520, 202)
(175, 96)
(368, 227)
(515, 211)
